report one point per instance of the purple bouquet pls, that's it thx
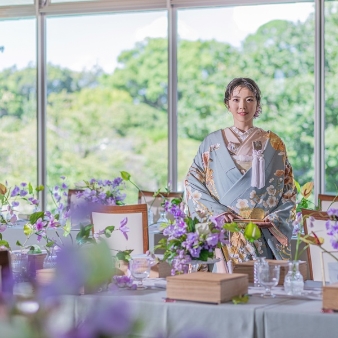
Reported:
(103, 192)
(189, 239)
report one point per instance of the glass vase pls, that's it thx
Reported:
(50, 260)
(294, 281)
(257, 263)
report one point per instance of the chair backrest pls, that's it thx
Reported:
(317, 266)
(137, 215)
(327, 201)
(76, 218)
(155, 202)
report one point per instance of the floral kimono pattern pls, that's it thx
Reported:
(216, 183)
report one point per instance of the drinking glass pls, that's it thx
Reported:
(268, 276)
(140, 269)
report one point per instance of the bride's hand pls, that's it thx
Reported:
(229, 217)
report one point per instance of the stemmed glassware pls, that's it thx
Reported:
(268, 276)
(140, 269)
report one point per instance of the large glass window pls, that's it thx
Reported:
(18, 154)
(275, 49)
(331, 97)
(107, 98)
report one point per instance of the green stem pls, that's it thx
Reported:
(328, 252)
(296, 257)
(145, 201)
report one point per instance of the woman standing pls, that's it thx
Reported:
(243, 172)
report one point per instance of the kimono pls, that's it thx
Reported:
(250, 176)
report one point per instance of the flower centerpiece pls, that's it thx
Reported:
(23, 196)
(189, 239)
(45, 224)
(105, 192)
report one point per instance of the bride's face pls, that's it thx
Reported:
(242, 105)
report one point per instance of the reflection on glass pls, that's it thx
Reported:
(331, 102)
(18, 102)
(275, 49)
(107, 99)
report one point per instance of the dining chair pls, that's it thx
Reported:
(155, 202)
(137, 215)
(77, 218)
(327, 201)
(318, 267)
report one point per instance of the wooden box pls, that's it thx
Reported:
(330, 297)
(207, 287)
(248, 268)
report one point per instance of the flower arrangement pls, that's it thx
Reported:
(103, 192)
(189, 239)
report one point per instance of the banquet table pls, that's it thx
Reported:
(279, 317)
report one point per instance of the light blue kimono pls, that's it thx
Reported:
(215, 185)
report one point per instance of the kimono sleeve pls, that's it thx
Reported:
(284, 214)
(202, 201)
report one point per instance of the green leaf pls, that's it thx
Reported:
(35, 216)
(4, 243)
(30, 188)
(40, 188)
(18, 243)
(125, 175)
(240, 299)
(232, 227)
(108, 230)
(297, 185)
(252, 232)
(124, 255)
(67, 228)
(28, 229)
(0, 235)
(204, 254)
(176, 201)
(50, 244)
(34, 249)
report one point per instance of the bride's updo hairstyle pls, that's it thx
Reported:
(244, 82)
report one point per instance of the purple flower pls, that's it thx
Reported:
(62, 177)
(123, 281)
(23, 184)
(213, 239)
(332, 212)
(3, 227)
(23, 193)
(123, 228)
(40, 224)
(15, 191)
(117, 181)
(195, 252)
(64, 186)
(15, 204)
(311, 220)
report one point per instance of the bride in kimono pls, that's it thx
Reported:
(242, 172)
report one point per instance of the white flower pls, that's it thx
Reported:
(242, 204)
(271, 190)
(253, 194)
(196, 195)
(271, 201)
(271, 179)
(202, 228)
(258, 244)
